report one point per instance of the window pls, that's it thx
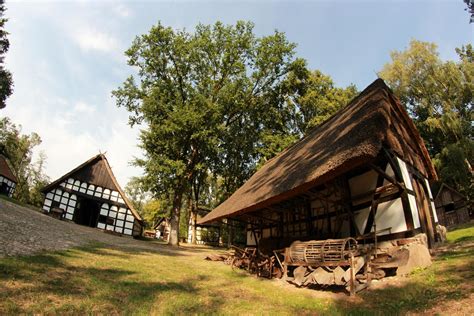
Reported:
(76, 185)
(449, 207)
(91, 189)
(98, 192)
(83, 188)
(106, 194)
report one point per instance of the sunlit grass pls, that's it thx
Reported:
(464, 232)
(111, 280)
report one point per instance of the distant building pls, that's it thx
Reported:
(451, 206)
(90, 195)
(162, 229)
(8, 180)
(206, 234)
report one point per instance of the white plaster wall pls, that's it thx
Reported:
(390, 215)
(433, 207)
(411, 198)
(362, 184)
(250, 239)
(405, 174)
(361, 218)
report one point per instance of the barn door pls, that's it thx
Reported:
(4, 189)
(423, 204)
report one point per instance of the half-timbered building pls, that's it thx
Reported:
(8, 180)
(90, 195)
(363, 173)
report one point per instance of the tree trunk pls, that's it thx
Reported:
(194, 220)
(174, 220)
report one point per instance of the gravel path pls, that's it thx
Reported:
(24, 231)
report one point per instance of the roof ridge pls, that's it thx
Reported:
(377, 83)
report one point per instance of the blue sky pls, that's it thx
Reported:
(67, 56)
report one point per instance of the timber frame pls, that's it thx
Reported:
(296, 219)
(90, 195)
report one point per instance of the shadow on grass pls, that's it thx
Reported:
(464, 239)
(440, 284)
(86, 289)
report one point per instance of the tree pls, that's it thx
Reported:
(18, 148)
(6, 81)
(317, 99)
(199, 95)
(152, 210)
(136, 193)
(37, 180)
(470, 9)
(439, 96)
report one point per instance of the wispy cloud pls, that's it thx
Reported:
(82, 107)
(122, 10)
(94, 40)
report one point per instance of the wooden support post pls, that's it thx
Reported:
(285, 265)
(352, 280)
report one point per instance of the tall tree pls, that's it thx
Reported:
(439, 96)
(317, 99)
(199, 92)
(6, 81)
(18, 148)
(136, 193)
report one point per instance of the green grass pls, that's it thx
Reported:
(112, 280)
(463, 232)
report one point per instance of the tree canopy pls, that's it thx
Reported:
(18, 149)
(6, 81)
(206, 99)
(439, 95)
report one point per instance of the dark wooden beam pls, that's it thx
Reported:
(385, 175)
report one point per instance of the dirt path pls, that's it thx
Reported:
(24, 231)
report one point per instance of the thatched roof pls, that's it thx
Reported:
(5, 169)
(350, 138)
(95, 171)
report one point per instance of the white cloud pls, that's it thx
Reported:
(94, 40)
(82, 107)
(122, 11)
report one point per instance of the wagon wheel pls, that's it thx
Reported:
(277, 272)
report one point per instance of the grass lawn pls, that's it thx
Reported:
(111, 280)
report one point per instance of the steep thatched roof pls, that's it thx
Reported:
(352, 137)
(5, 169)
(95, 171)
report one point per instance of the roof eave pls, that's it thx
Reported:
(343, 168)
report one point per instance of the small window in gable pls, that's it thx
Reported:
(106, 194)
(83, 188)
(98, 192)
(77, 185)
(91, 189)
